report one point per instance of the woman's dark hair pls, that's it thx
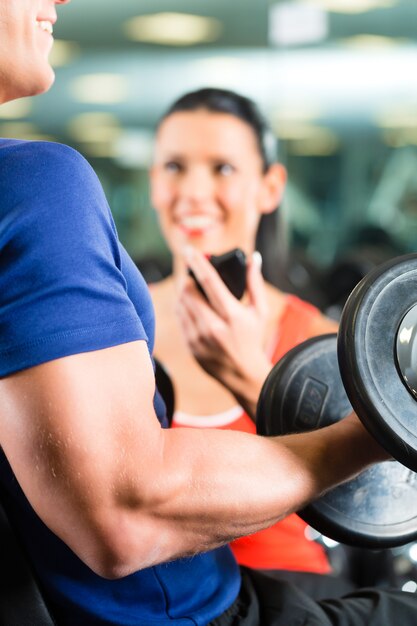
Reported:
(271, 240)
(225, 101)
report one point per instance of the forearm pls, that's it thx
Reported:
(193, 490)
(245, 383)
(125, 494)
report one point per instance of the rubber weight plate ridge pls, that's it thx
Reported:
(368, 356)
(304, 391)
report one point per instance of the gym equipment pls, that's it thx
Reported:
(165, 387)
(304, 391)
(375, 352)
(378, 355)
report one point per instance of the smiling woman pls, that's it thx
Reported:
(214, 176)
(108, 502)
(207, 182)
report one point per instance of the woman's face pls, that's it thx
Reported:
(208, 184)
(25, 43)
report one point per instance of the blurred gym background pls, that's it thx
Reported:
(337, 80)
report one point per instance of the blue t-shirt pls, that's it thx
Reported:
(67, 286)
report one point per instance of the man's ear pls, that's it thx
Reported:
(274, 181)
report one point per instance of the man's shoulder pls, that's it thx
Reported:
(36, 169)
(33, 156)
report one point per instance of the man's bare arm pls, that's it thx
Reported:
(86, 447)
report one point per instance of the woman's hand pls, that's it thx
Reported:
(226, 336)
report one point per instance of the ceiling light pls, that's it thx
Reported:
(63, 52)
(100, 89)
(294, 112)
(351, 6)
(397, 117)
(94, 127)
(400, 137)
(319, 147)
(173, 29)
(221, 71)
(370, 42)
(309, 139)
(103, 150)
(37, 136)
(293, 24)
(15, 109)
(134, 148)
(290, 130)
(18, 130)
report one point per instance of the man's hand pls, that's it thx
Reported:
(226, 336)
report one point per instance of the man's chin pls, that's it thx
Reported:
(45, 83)
(40, 82)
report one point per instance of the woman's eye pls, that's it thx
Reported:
(173, 167)
(225, 169)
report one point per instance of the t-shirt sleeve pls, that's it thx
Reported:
(62, 289)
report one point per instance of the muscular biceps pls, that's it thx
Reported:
(83, 440)
(80, 434)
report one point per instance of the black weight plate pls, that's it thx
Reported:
(304, 391)
(165, 387)
(367, 356)
(377, 509)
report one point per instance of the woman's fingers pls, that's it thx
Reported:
(202, 326)
(256, 285)
(220, 300)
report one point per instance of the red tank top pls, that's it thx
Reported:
(284, 545)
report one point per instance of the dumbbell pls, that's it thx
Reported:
(370, 365)
(165, 387)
